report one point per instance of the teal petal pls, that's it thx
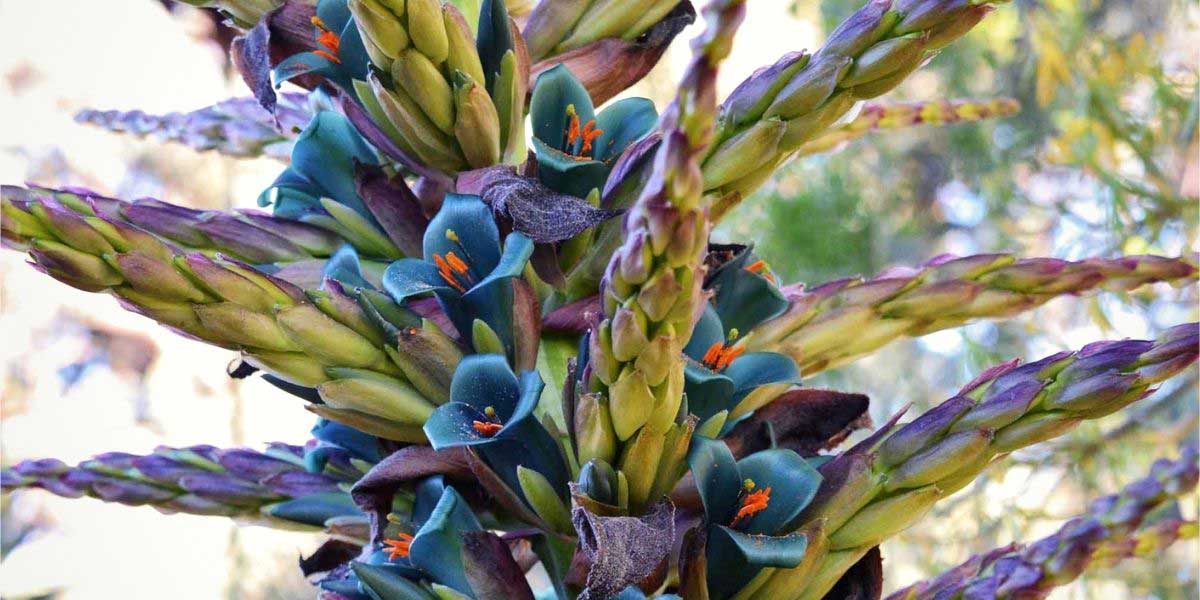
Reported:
(760, 368)
(555, 90)
(345, 267)
(381, 582)
(450, 426)
(741, 556)
(305, 63)
(475, 229)
(793, 484)
(517, 250)
(717, 478)
(708, 392)
(623, 123)
(484, 380)
(744, 299)
(326, 152)
(334, 13)
(426, 495)
(566, 175)
(437, 546)
(708, 331)
(409, 277)
(314, 509)
(493, 39)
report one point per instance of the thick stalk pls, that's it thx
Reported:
(889, 481)
(834, 323)
(272, 487)
(652, 288)
(1113, 529)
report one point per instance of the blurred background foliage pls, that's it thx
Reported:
(1101, 160)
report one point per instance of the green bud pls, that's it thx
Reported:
(550, 23)
(628, 334)
(885, 58)
(374, 394)
(668, 398)
(371, 424)
(362, 232)
(293, 367)
(672, 464)
(84, 270)
(743, 152)
(366, 96)
(631, 403)
(809, 88)
(711, 428)
(598, 481)
(884, 518)
(462, 53)
(636, 463)
(223, 283)
(803, 128)
(382, 30)
(659, 294)
(345, 310)
(600, 354)
(1032, 429)
(657, 358)
(594, 435)
(476, 124)
(179, 315)
(22, 224)
(485, 340)
(69, 226)
(508, 92)
(432, 145)
(153, 276)
(428, 358)
(279, 296)
(327, 340)
(940, 460)
(544, 501)
(428, 30)
(245, 327)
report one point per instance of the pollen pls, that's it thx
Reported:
(398, 548)
(587, 133)
(490, 427)
(753, 502)
(453, 270)
(720, 355)
(328, 40)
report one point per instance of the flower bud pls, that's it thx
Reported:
(637, 462)
(1031, 430)
(245, 327)
(541, 497)
(941, 460)
(374, 394)
(598, 481)
(809, 88)
(152, 276)
(594, 436)
(428, 358)
(631, 402)
(427, 30)
(743, 152)
(461, 44)
(884, 518)
(382, 30)
(922, 431)
(476, 125)
(329, 341)
(628, 333)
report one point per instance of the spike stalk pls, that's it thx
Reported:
(1113, 529)
(887, 482)
(652, 288)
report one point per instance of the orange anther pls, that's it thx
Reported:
(713, 354)
(728, 355)
(327, 39)
(590, 133)
(398, 548)
(487, 429)
(447, 272)
(456, 263)
(752, 504)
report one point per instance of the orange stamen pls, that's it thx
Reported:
(713, 353)
(329, 40)
(398, 548)
(752, 504)
(718, 356)
(590, 133)
(728, 355)
(487, 429)
(446, 270)
(760, 267)
(456, 263)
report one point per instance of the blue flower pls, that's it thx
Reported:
(720, 374)
(576, 147)
(465, 267)
(491, 410)
(748, 505)
(341, 58)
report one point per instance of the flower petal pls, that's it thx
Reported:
(623, 123)
(708, 392)
(760, 368)
(708, 331)
(477, 236)
(484, 380)
(409, 277)
(437, 547)
(793, 484)
(566, 174)
(555, 90)
(743, 298)
(717, 478)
